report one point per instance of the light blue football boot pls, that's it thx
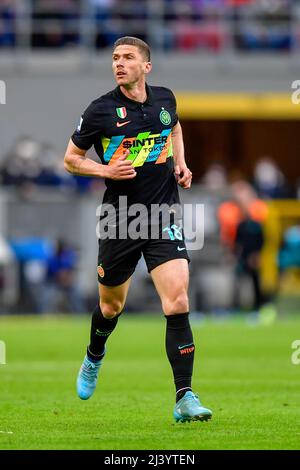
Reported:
(189, 408)
(87, 378)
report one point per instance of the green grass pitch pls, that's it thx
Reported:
(243, 373)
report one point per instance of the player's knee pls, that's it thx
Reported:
(111, 309)
(177, 304)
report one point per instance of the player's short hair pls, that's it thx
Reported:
(133, 41)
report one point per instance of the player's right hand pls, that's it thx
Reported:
(121, 169)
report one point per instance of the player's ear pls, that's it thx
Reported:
(148, 67)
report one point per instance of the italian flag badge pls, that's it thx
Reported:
(121, 112)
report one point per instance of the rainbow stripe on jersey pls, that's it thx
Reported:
(145, 147)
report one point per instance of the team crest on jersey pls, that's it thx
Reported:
(165, 117)
(100, 270)
(121, 112)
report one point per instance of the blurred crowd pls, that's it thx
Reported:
(30, 164)
(168, 24)
(242, 214)
(39, 274)
(45, 279)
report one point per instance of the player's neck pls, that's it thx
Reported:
(137, 92)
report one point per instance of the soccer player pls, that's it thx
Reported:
(138, 138)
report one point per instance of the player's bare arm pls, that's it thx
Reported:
(182, 173)
(77, 163)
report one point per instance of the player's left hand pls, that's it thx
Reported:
(183, 176)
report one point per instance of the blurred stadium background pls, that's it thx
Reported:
(231, 64)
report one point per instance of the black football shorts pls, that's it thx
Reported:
(117, 259)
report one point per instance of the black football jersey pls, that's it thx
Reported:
(114, 123)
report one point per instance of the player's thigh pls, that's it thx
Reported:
(171, 280)
(112, 298)
(117, 260)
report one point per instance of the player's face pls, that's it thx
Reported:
(129, 65)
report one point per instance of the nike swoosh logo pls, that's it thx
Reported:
(180, 249)
(186, 346)
(121, 124)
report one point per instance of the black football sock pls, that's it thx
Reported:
(101, 328)
(180, 351)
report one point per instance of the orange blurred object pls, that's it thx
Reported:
(230, 215)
